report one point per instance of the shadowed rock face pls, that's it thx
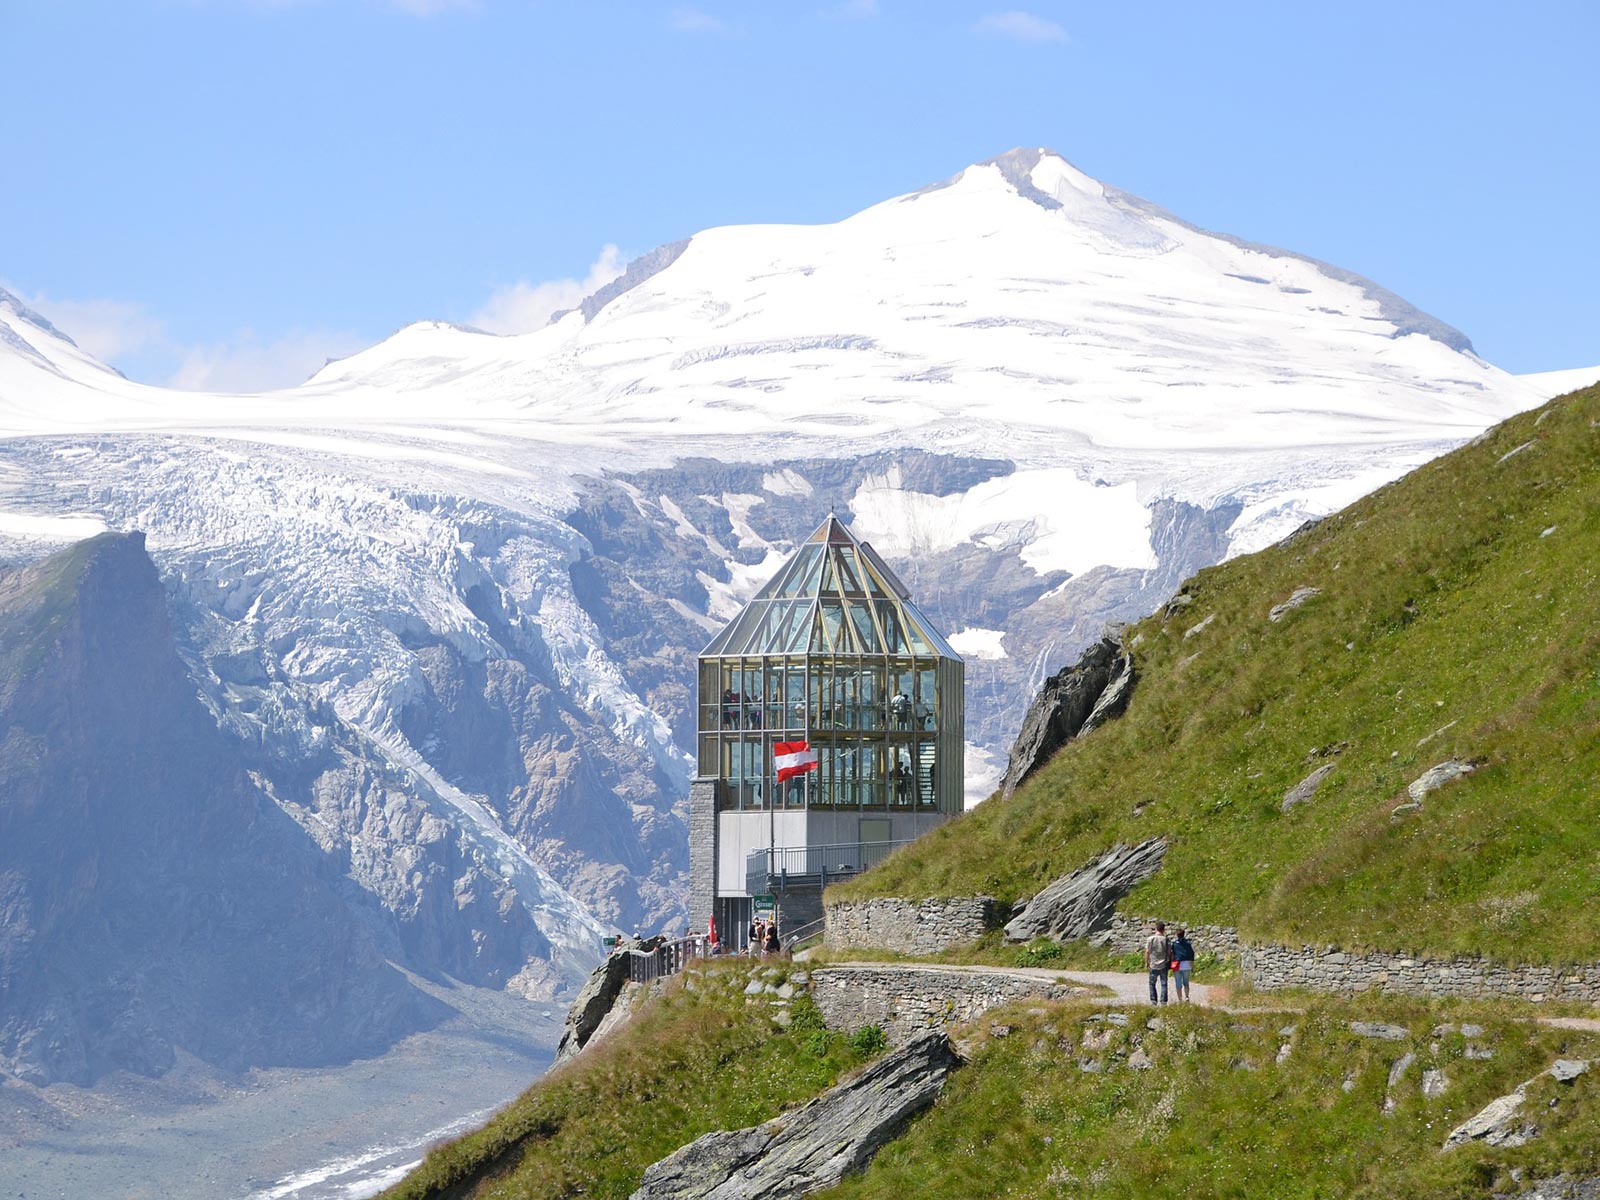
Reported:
(1074, 701)
(151, 897)
(816, 1145)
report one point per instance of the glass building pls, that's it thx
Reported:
(832, 653)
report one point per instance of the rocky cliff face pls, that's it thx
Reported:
(152, 897)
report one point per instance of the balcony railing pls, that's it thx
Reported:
(780, 868)
(646, 966)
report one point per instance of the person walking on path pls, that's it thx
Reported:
(1182, 965)
(1158, 960)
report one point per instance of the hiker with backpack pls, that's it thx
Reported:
(1182, 965)
(1158, 960)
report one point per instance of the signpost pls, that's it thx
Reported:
(610, 943)
(765, 907)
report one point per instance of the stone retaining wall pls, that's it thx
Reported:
(909, 926)
(1127, 935)
(929, 926)
(907, 1000)
(1328, 969)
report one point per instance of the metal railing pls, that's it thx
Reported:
(646, 966)
(779, 868)
(808, 930)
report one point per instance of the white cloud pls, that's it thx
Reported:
(1021, 26)
(126, 334)
(692, 20)
(247, 364)
(523, 307)
(428, 8)
(106, 329)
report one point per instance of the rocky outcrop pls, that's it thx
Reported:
(1083, 902)
(594, 1001)
(1073, 702)
(1306, 788)
(1502, 1121)
(1437, 776)
(815, 1146)
(1296, 598)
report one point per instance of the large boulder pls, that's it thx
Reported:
(1072, 702)
(1081, 903)
(815, 1146)
(593, 1003)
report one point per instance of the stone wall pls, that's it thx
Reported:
(1127, 935)
(1328, 969)
(907, 1000)
(909, 926)
(702, 850)
(929, 926)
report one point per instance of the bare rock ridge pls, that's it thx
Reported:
(815, 1146)
(594, 1001)
(152, 898)
(1082, 903)
(1073, 702)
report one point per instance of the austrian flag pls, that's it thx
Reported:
(793, 758)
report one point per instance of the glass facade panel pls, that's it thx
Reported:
(833, 653)
(848, 582)
(866, 632)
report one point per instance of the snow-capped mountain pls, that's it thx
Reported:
(448, 592)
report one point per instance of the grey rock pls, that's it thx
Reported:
(813, 1147)
(1376, 1029)
(592, 1004)
(1396, 1074)
(1479, 1053)
(1563, 1187)
(1139, 1060)
(1306, 788)
(1471, 1031)
(1072, 702)
(1400, 810)
(1081, 904)
(1565, 1070)
(1436, 777)
(1435, 1083)
(1198, 627)
(1296, 598)
(1498, 1123)
(1398, 1071)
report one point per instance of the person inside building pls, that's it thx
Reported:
(730, 709)
(900, 709)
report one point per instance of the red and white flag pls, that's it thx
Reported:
(793, 758)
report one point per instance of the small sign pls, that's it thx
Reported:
(610, 943)
(765, 906)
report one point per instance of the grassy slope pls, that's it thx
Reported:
(1443, 603)
(698, 1059)
(1217, 1115)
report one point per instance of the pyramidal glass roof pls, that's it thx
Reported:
(833, 596)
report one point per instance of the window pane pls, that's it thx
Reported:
(847, 575)
(865, 633)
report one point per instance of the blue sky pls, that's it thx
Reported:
(224, 192)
